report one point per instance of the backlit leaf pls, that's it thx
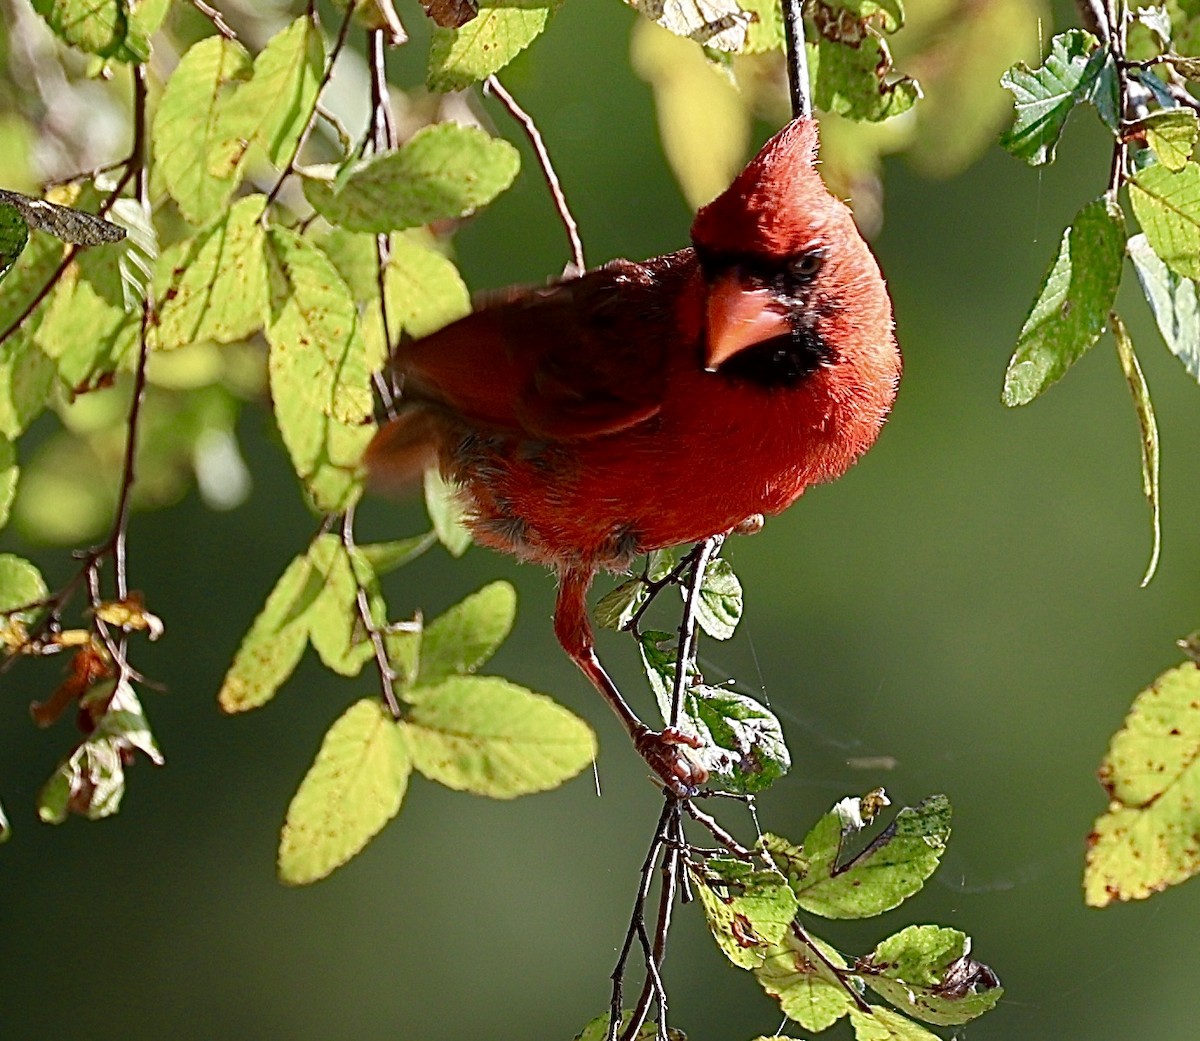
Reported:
(927, 972)
(20, 583)
(1045, 96)
(272, 648)
(335, 627)
(882, 1024)
(444, 504)
(1173, 299)
(1149, 431)
(748, 909)
(719, 608)
(485, 44)
(214, 287)
(187, 135)
(800, 972)
(9, 473)
(1146, 840)
(485, 735)
(1167, 206)
(353, 788)
(443, 171)
(107, 28)
(1072, 306)
(1172, 134)
(384, 557)
(616, 608)
(320, 384)
(467, 635)
(273, 108)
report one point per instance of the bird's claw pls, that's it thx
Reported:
(665, 755)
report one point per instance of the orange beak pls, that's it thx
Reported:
(737, 318)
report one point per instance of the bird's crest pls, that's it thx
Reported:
(775, 205)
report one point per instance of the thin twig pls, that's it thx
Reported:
(334, 53)
(218, 21)
(384, 139)
(1114, 13)
(720, 834)
(687, 627)
(383, 664)
(494, 86)
(797, 59)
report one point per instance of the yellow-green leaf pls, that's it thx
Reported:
(318, 368)
(487, 736)
(800, 972)
(273, 108)
(443, 171)
(883, 1024)
(335, 628)
(1147, 838)
(1172, 134)
(748, 909)
(447, 513)
(187, 137)
(272, 648)
(467, 635)
(353, 788)
(488, 42)
(1149, 431)
(1167, 206)
(214, 287)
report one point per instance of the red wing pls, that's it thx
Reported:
(572, 360)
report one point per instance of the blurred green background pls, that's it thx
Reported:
(966, 601)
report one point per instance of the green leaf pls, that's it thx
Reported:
(447, 513)
(766, 32)
(320, 381)
(467, 635)
(385, 557)
(488, 42)
(748, 909)
(424, 289)
(443, 171)
(1072, 305)
(800, 972)
(892, 868)
(882, 1024)
(10, 472)
(272, 648)
(926, 971)
(14, 235)
(271, 111)
(1149, 431)
(187, 136)
(214, 286)
(1172, 134)
(1145, 841)
(27, 374)
(755, 754)
(1174, 301)
(659, 666)
(20, 583)
(353, 788)
(597, 1030)
(1046, 95)
(487, 736)
(720, 24)
(850, 65)
(94, 319)
(719, 608)
(1167, 206)
(107, 28)
(334, 625)
(616, 608)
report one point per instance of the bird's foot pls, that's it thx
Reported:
(665, 753)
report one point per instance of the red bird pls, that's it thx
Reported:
(644, 405)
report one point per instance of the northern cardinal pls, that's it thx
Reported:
(644, 405)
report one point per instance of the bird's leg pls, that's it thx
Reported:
(661, 749)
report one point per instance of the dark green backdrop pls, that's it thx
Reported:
(966, 601)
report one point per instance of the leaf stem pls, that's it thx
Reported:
(797, 59)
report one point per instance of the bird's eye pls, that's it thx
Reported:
(805, 265)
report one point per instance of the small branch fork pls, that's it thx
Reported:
(42, 639)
